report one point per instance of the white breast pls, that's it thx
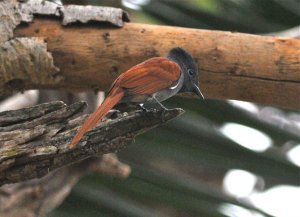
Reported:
(176, 86)
(167, 93)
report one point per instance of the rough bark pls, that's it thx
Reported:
(25, 61)
(13, 12)
(9, 19)
(73, 13)
(35, 140)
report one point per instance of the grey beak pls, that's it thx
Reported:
(197, 91)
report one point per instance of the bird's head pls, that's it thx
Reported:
(189, 68)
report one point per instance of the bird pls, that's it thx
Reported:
(149, 82)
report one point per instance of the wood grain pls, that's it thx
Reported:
(238, 66)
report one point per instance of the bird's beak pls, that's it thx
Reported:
(197, 91)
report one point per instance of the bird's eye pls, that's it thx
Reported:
(191, 72)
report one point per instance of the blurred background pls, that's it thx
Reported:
(221, 158)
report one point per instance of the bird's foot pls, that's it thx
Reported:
(158, 108)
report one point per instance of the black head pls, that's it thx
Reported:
(189, 68)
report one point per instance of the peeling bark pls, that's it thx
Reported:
(26, 62)
(35, 140)
(73, 13)
(84, 14)
(39, 7)
(9, 19)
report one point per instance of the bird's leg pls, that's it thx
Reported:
(161, 105)
(152, 104)
(163, 108)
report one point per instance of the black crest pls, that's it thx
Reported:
(183, 58)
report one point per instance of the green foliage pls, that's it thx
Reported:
(255, 16)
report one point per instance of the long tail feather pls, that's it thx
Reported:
(111, 100)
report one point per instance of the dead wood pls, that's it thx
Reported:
(35, 140)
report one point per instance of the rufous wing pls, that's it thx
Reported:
(149, 77)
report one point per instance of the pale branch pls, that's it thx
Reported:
(35, 140)
(44, 194)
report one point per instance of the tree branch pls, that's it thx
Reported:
(261, 69)
(35, 140)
